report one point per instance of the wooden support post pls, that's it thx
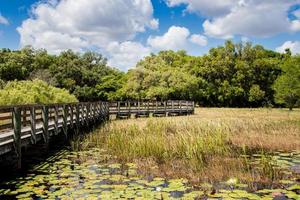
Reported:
(193, 107)
(129, 106)
(56, 120)
(118, 114)
(106, 111)
(71, 115)
(17, 123)
(65, 120)
(180, 111)
(33, 125)
(87, 111)
(45, 117)
(165, 107)
(77, 118)
(172, 103)
(93, 112)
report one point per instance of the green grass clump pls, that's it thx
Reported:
(165, 141)
(31, 92)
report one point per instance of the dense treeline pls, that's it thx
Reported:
(236, 75)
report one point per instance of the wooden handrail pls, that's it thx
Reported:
(21, 125)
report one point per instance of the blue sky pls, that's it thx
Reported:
(126, 31)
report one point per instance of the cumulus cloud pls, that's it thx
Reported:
(82, 23)
(3, 20)
(260, 18)
(294, 46)
(125, 55)
(198, 39)
(176, 38)
(206, 7)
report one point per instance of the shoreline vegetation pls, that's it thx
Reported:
(229, 75)
(215, 144)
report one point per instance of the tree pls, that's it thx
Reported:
(16, 65)
(30, 92)
(162, 76)
(287, 86)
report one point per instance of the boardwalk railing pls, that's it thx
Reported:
(29, 124)
(157, 108)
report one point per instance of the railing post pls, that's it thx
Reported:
(71, 116)
(77, 118)
(45, 117)
(118, 114)
(180, 111)
(56, 120)
(172, 103)
(33, 124)
(193, 107)
(165, 107)
(65, 120)
(129, 106)
(88, 113)
(17, 123)
(106, 111)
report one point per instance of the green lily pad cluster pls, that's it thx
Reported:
(87, 175)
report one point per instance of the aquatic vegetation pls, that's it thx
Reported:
(216, 154)
(93, 180)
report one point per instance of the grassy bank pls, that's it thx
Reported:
(209, 146)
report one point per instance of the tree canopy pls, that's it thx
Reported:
(232, 75)
(31, 92)
(287, 86)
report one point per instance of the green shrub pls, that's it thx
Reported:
(31, 92)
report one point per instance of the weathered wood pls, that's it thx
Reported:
(45, 120)
(56, 120)
(17, 122)
(77, 119)
(65, 119)
(33, 124)
(22, 125)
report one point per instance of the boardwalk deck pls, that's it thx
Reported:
(28, 124)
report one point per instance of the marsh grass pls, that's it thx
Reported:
(207, 146)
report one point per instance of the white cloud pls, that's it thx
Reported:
(294, 46)
(79, 24)
(3, 20)
(125, 55)
(198, 39)
(206, 7)
(176, 38)
(260, 18)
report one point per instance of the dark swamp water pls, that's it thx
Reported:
(65, 174)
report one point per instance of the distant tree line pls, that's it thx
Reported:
(233, 75)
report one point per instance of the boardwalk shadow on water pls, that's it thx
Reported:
(31, 156)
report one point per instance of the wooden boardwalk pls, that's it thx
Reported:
(25, 125)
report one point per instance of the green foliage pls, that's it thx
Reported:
(160, 77)
(30, 92)
(84, 74)
(287, 86)
(255, 93)
(232, 75)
